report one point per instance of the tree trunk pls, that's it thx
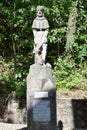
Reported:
(70, 39)
(13, 42)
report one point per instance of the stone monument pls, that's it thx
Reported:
(41, 91)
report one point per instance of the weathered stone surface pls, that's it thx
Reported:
(14, 114)
(40, 71)
(41, 98)
(72, 113)
(40, 28)
(65, 112)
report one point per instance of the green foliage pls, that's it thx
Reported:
(7, 84)
(68, 75)
(80, 46)
(16, 43)
(13, 82)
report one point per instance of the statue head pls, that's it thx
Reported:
(40, 11)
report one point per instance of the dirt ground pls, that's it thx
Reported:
(74, 94)
(6, 126)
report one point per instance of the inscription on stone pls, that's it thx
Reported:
(41, 110)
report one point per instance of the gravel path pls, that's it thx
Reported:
(6, 126)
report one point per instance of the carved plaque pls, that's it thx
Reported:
(41, 95)
(41, 110)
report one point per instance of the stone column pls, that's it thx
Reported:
(41, 98)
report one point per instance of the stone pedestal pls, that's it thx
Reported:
(41, 98)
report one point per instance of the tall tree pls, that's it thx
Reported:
(70, 38)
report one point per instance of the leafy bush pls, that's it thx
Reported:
(69, 75)
(7, 84)
(11, 81)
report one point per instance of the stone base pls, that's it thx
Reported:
(41, 98)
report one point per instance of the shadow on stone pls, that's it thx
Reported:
(80, 113)
(60, 125)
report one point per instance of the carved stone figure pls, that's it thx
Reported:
(40, 28)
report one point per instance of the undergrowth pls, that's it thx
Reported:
(69, 75)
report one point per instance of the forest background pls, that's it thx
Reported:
(67, 43)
